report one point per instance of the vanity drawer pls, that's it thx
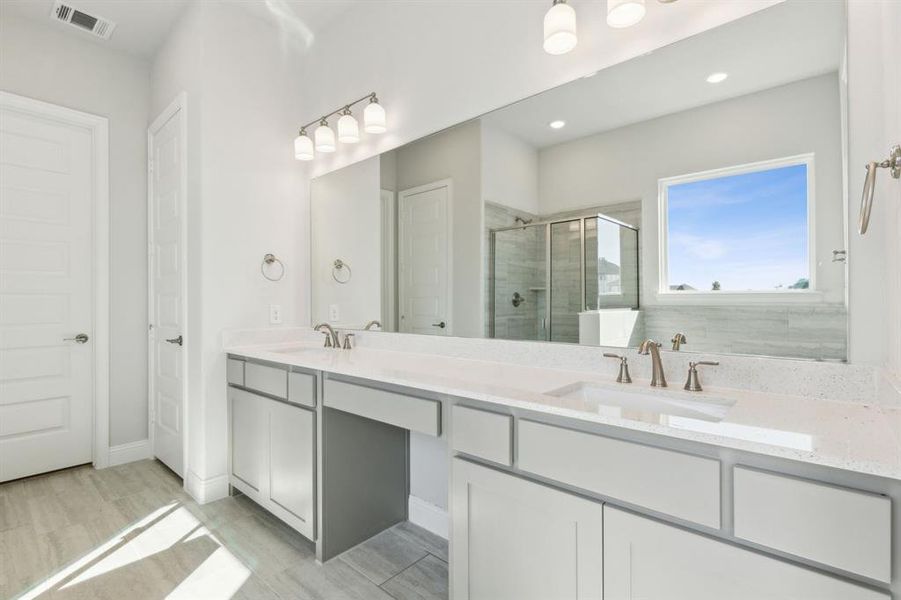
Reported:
(268, 380)
(484, 434)
(836, 526)
(302, 388)
(681, 485)
(234, 371)
(408, 412)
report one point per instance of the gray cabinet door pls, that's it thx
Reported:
(248, 431)
(647, 560)
(518, 540)
(291, 460)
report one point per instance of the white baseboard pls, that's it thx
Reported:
(206, 490)
(428, 516)
(130, 452)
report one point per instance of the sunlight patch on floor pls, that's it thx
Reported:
(219, 576)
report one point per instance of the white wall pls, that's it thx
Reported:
(435, 64)
(246, 198)
(509, 170)
(345, 208)
(43, 63)
(613, 167)
(454, 154)
(873, 259)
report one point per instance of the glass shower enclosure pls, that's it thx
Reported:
(542, 276)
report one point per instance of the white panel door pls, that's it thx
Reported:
(166, 289)
(46, 297)
(425, 268)
(514, 539)
(647, 560)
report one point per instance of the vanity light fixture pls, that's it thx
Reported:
(624, 13)
(374, 121)
(560, 28)
(325, 137)
(348, 129)
(558, 124)
(374, 116)
(717, 77)
(303, 146)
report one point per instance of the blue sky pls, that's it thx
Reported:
(749, 231)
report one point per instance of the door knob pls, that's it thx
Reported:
(442, 324)
(177, 340)
(81, 338)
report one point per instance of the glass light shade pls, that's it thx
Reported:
(374, 120)
(624, 13)
(348, 130)
(325, 139)
(303, 147)
(560, 29)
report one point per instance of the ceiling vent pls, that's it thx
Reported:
(98, 26)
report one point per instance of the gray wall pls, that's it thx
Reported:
(58, 67)
(454, 154)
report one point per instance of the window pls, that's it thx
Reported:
(738, 230)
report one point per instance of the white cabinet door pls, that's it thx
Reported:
(647, 560)
(291, 460)
(518, 540)
(248, 437)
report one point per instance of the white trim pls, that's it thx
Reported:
(428, 516)
(179, 106)
(206, 490)
(99, 128)
(666, 296)
(449, 220)
(130, 452)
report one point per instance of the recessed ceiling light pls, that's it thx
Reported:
(716, 77)
(557, 124)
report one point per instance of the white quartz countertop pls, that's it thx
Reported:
(864, 438)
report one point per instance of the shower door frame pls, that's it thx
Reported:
(548, 225)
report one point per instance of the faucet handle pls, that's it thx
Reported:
(623, 376)
(328, 339)
(348, 341)
(693, 383)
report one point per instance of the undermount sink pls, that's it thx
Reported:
(710, 408)
(301, 349)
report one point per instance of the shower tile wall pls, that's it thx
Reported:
(519, 267)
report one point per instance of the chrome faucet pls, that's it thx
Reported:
(373, 323)
(678, 340)
(658, 377)
(331, 336)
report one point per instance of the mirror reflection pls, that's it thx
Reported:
(694, 196)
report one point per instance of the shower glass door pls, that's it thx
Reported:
(517, 284)
(567, 283)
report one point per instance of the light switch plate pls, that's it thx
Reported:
(275, 314)
(334, 314)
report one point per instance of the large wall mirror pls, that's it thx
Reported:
(695, 195)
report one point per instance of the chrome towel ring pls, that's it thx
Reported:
(893, 164)
(268, 261)
(341, 271)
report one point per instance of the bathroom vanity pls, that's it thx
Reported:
(601, 490)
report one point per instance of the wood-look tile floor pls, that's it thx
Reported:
(131, 532)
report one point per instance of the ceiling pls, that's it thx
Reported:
(778, 45)
(142, 25)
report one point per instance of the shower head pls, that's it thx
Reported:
(521, 220)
